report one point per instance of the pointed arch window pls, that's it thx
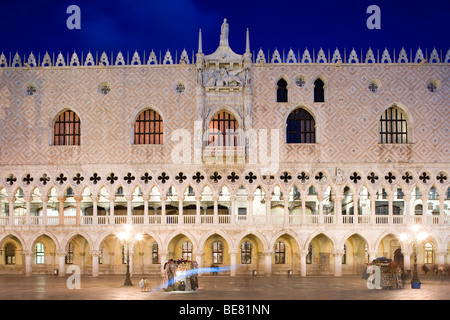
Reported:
(67, 129)
(246, 253)
(69, 255)
(282, 91)
(148, 128)
(186, 251)
(10, 254)
(39, 253)
(217, 251)
(223, 130)
(428, 253)
(319, 91)
(155, 255)
(280, 253)
(393, 126)
(300, 127)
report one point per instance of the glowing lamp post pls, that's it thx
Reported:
(127, 238)
(416, 237)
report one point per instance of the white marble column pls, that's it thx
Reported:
(95, 263)
(338, 262)
(233, 264)
(61, 200)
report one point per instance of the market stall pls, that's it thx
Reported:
(391, 273)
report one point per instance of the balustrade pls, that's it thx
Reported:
(276, 219)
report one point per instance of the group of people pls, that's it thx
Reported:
(180, 275)
(144, 284)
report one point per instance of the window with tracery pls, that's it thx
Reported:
(282, 91)
(10, 254)
(428, 253)
(246, 253)
(300, 127)
(280, 253)
(223, 130)
(148, 128)
(393, 126)
(69, 255)
(67, 129)
(155, 255)
(319, 91)
(39, 253)
(217, 252)
(186, 251)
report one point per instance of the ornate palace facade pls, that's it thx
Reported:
(310, 162)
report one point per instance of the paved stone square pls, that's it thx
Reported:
(218, 288)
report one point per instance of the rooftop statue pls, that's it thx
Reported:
(224, 33)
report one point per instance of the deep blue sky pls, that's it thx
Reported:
(40, 25)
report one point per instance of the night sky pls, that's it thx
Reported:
(40, 25)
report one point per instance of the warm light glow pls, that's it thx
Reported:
(122, 235)
(415, 227)
(403, 236)
(128, 227)
(139, 237)
(422, 236)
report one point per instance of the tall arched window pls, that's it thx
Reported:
(246, 253)
(10, 254)
(280, 253)
(67, 131)
(155, 255)
(148, 128)
(39, 253)
(223, 130)
(300, 127)
(282, 92)
(393, 126)
(428, 253)
(69, 255)
(217, 251)
(319, 91)
(186, 251)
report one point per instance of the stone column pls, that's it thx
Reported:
(95, 263)
(407, 198)
(216, 209)
(303, 196)
(94, 198)
(11, 200)
(407, 260)
(268, 263)
(424, 199)
(303, 254)
(441, 208)
(355, 208)
(78, 200)
(286, 209)
(441, 257)
(233, 264)
(198, 209)
(163, 209)
(62, 263)
(129, 198)
(268, 199)
(390, 198)
(233, 209)
(44, 210)
(163, 258)
(28, 210)
(146, 197)
(338, 262)
(250, 208)
(180, 209)
(373, 198)
(199, 258)
(338, 208)
(111, 210)
(28, 263)
(61, 200)
(320, 199)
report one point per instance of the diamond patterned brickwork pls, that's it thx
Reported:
(347, 123)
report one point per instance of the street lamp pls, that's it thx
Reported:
(416, 238)
(127, 238)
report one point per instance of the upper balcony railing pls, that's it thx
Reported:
(220, 220)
